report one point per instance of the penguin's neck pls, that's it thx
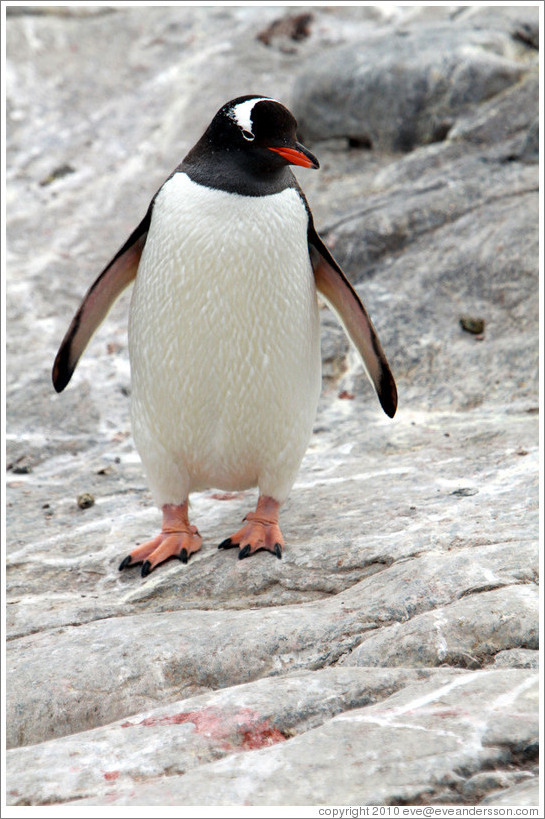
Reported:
(231, 171)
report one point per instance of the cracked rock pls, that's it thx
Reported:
(406, 602)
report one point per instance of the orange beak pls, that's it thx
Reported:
(298, 155)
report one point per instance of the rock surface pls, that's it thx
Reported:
(408, 87)
(189, 754)
(407, 597)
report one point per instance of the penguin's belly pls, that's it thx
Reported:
(224, 342)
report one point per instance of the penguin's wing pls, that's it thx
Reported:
(341, 296)
(115, 277)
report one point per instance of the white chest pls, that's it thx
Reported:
(203, 236)
(224, 330)
(218, 267)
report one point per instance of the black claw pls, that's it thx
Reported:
(226, 544)
(146, 568)
(278, 551)
(183, 556)
(124, 563)
(244, 552)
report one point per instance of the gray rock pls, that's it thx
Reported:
(405, 87)
(466, 634)
(410, 544)
(180, 737)
(509, 118)
(517, 658)
(520, 22)
(529, 148)
(524, 794)
(109, 655)
(383, 757)
(452, 256)
(522, 786)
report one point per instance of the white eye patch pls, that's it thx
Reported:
(242, 115)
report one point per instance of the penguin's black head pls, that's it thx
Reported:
(251, 141)
(260, 126)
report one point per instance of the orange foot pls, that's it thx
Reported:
(177, 539)
(261, 532)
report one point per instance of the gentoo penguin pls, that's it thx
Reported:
(224, 339)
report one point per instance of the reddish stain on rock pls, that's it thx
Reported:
(260, 736)
(452, 712)
(109, 775)
(243, 730)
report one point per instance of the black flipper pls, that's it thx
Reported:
(343, 299)
(115, 277)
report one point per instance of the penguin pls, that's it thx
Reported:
(224, 331)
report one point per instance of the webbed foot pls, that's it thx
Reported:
(260, 532)
(178, 538)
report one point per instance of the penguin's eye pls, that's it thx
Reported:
(248, 135)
